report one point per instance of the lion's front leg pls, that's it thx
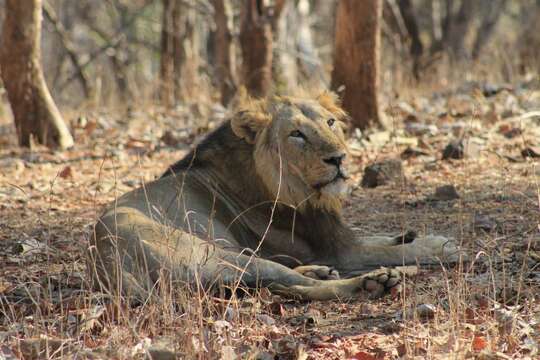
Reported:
(387, 239)
(370, 252)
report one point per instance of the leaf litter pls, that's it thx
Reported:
(486, 307)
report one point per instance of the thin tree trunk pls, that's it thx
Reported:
(223, 50)
(170, 52)
(187, 53)
(256, 46)
(489, 21)
(409, 18)
(356, 59)
(459, 27)
(36, 115)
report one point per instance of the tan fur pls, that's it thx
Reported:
(267, 181)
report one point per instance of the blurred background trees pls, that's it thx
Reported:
(123, 53)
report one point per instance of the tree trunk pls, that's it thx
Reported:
(459, 26)
(223, 50)
(171, 52)
(489, 21)
(409, 18)
(256, 46)
(356, 60)
(179, 52)
(36, 115)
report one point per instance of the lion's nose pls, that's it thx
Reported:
(335, 160)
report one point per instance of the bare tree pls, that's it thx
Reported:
(493, 10)
(223, 49)
(256, 46)
(455, 27)
(458, 27)
(356, 59)
(411, 24)
(34, 110)
(69, 47)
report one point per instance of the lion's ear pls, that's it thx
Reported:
(330, 101)
(246, 124)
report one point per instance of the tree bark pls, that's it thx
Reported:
(256, 46)
(36, 115)
(356, 60)
(223, 50)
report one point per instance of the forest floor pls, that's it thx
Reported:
(486, 307)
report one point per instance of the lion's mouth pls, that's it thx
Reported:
(340, 175)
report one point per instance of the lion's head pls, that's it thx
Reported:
(300, 147)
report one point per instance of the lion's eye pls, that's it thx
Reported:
(330, 122)
(297, 134)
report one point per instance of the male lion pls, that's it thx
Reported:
(258, 197)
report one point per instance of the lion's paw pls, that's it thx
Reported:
(380, 281)
(318, 272)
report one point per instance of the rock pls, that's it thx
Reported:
(454, 150)
(382, 173)
(485, 223)
(531, 151)
(445, 193)
(459, 149)
(28, 246)
(426, 311)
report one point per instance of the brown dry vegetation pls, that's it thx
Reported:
(487, 306)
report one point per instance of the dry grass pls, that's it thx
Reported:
(488, 306)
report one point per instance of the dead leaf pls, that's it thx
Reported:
(66, 172)
(479, 343)
(362, 355)
(401, 350)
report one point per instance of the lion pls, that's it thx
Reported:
(257, 203)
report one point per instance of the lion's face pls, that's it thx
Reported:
(300, 149)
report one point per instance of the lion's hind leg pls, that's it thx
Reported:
(371, 285)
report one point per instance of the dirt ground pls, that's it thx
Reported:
(487, 306)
